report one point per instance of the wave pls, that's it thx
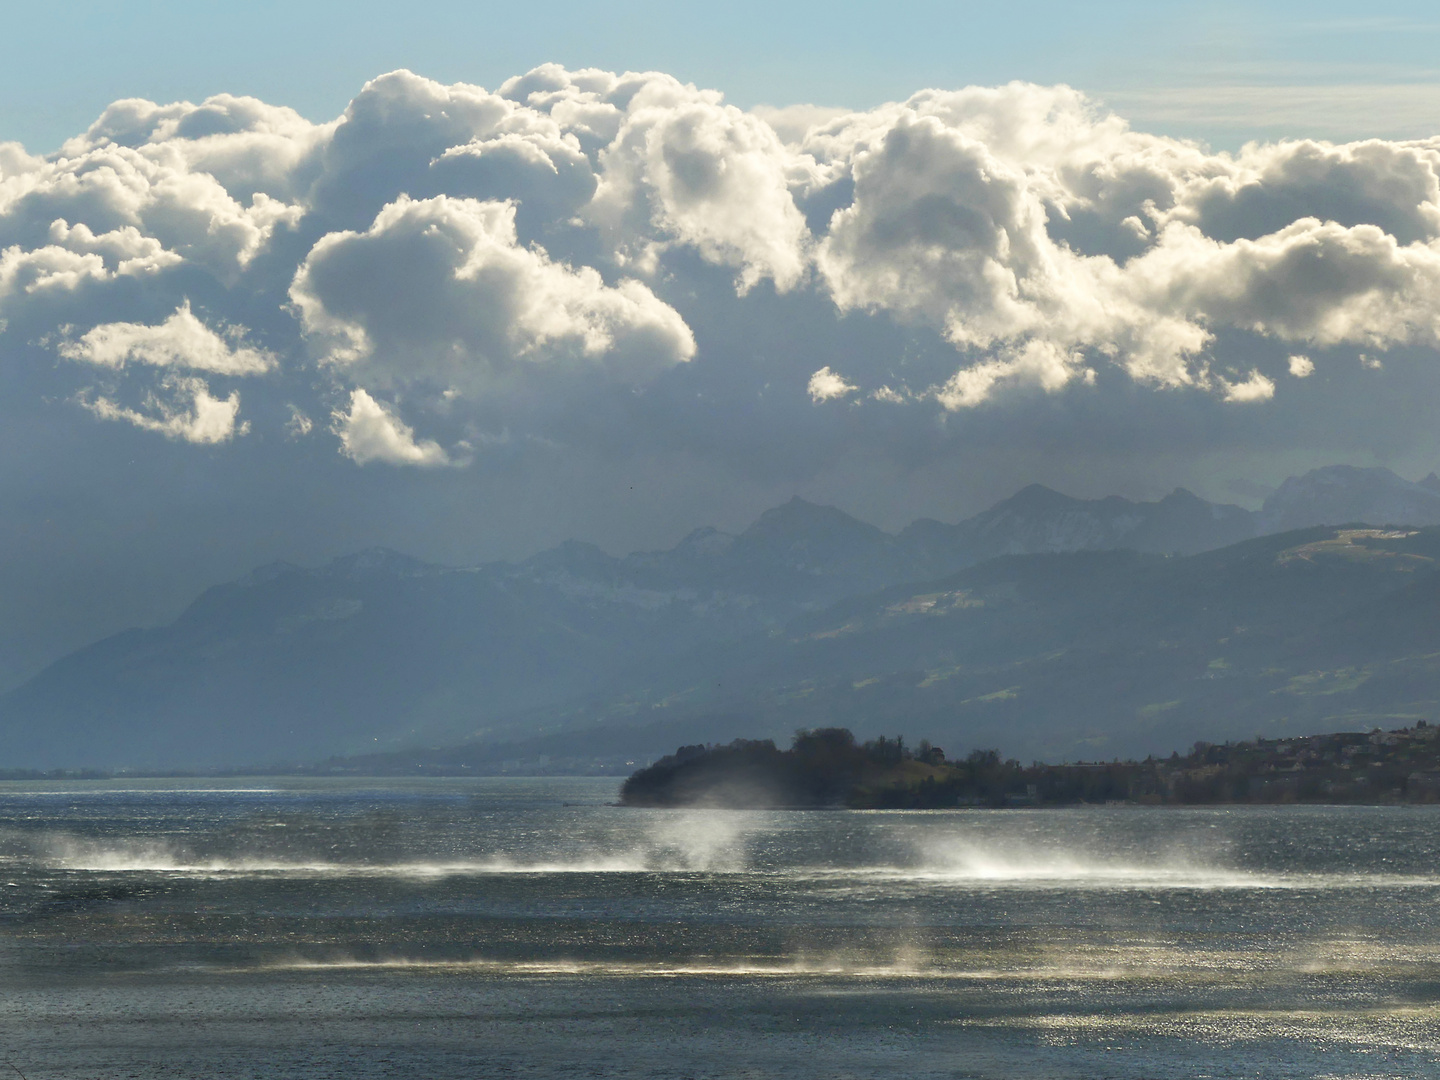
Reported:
(703, 846)
(673, 849)
(88, 793)
(1111, 963)
(1008, 863)
(1032, 877)
(160, 859)
(738, 968)
(1138, 878)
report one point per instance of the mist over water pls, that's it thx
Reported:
(529, 927)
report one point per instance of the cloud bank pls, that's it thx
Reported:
(567, 259)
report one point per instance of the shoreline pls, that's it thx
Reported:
(829, 768)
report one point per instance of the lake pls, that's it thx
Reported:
(283, 927)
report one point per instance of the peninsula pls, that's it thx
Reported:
(828, 767)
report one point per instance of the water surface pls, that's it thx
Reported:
(448, 928)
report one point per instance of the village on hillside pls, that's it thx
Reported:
(1347, 767)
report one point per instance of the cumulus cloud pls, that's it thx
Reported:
(827, 385)
(940, 229)
(182, 340)
(299, 425)
(371, 432)
(1312, 281)
(151, 189)
(181, 408)
(247, 146)
(439, 291)
(1000, 217)
(890, 395)
(512, 250)
(792, 123)
(1254, 387)
(76, 255)
(1037, 363)
(687, 167)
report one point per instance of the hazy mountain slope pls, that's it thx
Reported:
(304, 663)
(290, 664)
(1037, 520)
(799, 553)
(1097, 654)
(378, 650)
(1338, 494)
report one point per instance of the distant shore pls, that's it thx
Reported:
(829, 767)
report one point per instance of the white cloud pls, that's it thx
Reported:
(1314, 282)
(1038, 363)
(182, 341)
(183, 409)
(152, 190)
(792, 123)
(299, 425)
(998, 216)
(685, 167)
(439, 291)
(24, 273)
(1302, 367)
(827, 385)
(891, 396)
(1254, 387)
(246, 145)
(956, 197)
(941, 230)
(371, 432)
(543, 165)
(76, 255)
(147, 190)
(481, 248)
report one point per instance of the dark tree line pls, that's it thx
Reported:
(829, 767)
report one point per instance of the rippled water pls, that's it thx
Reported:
(278, 928)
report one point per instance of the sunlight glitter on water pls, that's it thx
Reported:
(958, 866)
(253, 935)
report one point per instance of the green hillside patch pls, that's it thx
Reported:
(1008, 694)
(1151, 711)
(1360, 545)
(1340, 681)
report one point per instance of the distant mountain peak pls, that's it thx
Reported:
(1034, 497)
(1183, 495)
(262, 575)
(1339, 476)
(799, 517)
(572, 558)
(379, 562)
(706, 541)
(1338, 494)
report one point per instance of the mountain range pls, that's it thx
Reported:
(1046, 625)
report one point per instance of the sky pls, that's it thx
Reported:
(1268, 69)
(287, 281)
